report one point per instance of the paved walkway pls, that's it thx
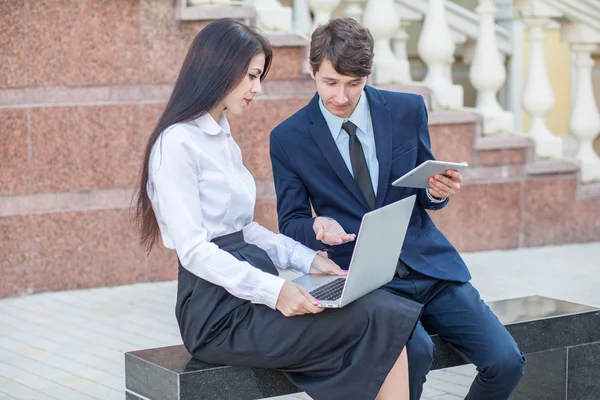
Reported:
(70, 345)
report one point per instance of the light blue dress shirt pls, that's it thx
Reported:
(361, 117)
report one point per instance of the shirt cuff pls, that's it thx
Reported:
(434, 200)
(301, 258)
(268, 291)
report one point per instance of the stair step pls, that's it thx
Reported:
(551, 167)
(499, 150)
(587, 191)
(210, 13)
(453, 117)
(502, 142)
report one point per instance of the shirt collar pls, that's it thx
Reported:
(208, 124)
(359, 117)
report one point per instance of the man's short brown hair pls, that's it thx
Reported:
(346, 44)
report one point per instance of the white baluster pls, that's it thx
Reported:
(353, 9)
(585, 119)
(382, 19)
(488, 74)
(436, 47)
(322, 10)
(399, 43)
(538, 96)
(271, 16)
(302, 21)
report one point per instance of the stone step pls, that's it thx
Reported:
(503, 149)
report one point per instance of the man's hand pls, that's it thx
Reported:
(295, 300)
(324, 266)
(441, 186)
(330, 232)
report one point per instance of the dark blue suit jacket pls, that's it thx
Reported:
(309, 170)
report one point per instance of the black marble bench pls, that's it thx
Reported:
(561, 341)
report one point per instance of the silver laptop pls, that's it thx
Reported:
(374, 260)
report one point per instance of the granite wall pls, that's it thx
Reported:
(82, 85)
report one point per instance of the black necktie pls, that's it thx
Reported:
(359, 164)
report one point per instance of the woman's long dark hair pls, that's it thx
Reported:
(215, 64)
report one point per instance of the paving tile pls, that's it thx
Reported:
(33, 340)
(430, 392)
(89, 387)
(96, 358)
(452, 388)
(10, 344)
(11, 372)
(19, 391)
(432, 380)
(113, 382)
(455, 378)
(65, 393)
(466, 370)
(33, 366)
(34, 382)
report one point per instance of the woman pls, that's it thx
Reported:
(232, 308)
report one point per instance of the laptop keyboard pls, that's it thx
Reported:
(331, 291)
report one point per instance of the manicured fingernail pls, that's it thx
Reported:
(346, 272)
(318, 301)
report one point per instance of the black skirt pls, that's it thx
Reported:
(343, 353)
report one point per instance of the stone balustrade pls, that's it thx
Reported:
(579, 27)
(485, 46)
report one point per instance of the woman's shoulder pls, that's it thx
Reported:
(178, 133)
(175, 141)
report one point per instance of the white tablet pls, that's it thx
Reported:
(418, 177)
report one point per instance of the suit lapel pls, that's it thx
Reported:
(381, 118)
(322, 136)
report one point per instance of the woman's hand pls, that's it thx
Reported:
(295, 300)
(324, 266)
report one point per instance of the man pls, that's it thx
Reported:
(338, 156)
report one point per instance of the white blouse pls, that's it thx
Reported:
(200, 190)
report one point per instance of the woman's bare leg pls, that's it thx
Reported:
(395, 386)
